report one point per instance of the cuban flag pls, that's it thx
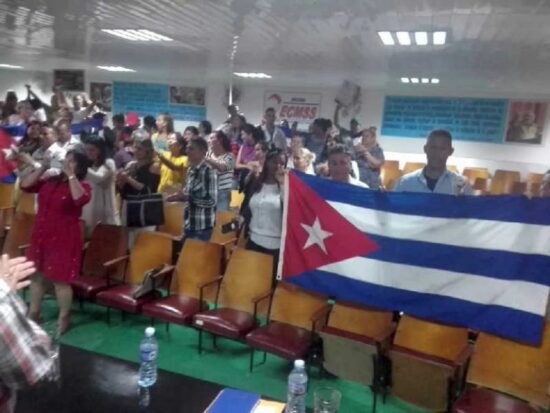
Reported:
(9, 137)
(477, 262)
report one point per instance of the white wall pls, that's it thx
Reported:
(524, 158)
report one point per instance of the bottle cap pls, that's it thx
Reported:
(299, 364)
(150, 331)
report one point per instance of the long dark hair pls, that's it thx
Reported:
(224, 141)
(82, 161)
(272, 153)
(100, 144)
(257, 133)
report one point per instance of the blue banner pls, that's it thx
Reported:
(152, 99)
(478, 120)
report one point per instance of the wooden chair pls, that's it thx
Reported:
(518, 188)
(355, 342)
(428, 362)
(26, 203)
(473, 173)
(480, 186)
(502, 181)
(107, 243)
(390, 177)
(390, 164)
(293, 318)
(152, 250)
(19, 234)
(412, 166)
(534, 182)
(7, 199)
(237, 199)
(248, 275)
(533, 190)
(534, 178)
(227, 240)
(501, 367)
(199, 263)
(173, 219)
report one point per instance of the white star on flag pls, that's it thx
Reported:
(316, 235)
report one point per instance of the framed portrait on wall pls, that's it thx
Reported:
(69, 80)
(526, 122)
(184, 95)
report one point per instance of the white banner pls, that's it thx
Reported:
(294, 106)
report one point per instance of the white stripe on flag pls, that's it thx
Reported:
(472, 233)
(518, 295)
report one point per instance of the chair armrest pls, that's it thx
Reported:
(225, 243)
(23, 247)
(464, 357)
(259, 298)
(320, 315)
(115, 261)
(203, 285)
(164, 274)
(384, 339)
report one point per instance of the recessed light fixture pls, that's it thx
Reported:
(421, 38)
(8, 66)
(386, 38)
(115, 69)
(137, 35)
(423, 80)
(253, 75)
(440, 38)
(403, 38)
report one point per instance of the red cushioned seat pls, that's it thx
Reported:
(225, 322)
(87, 287)
(283, 340)
(480, 400)
(175, 309)
(122, 298)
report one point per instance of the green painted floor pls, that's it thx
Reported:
(227, 366)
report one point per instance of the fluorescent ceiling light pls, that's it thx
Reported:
(8, 66)
(414, 80)
(435, 81)
(440, 38)
(425, 80)
(252, 75)
(386, 38)
(403, 38)
(115, 69)
(405, 80)
(421, 38)
(142, 35)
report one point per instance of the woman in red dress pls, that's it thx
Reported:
(57, 239)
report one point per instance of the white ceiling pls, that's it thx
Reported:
(493, 45)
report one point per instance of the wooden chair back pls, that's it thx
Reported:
(222, 218)
(390, 177)
(237, 199)
(534, 178)
(534, 190)
(151, 250)
(173, 219)
(412, 166)
(518, 369)
(391, 164)
(295, 306)
(439, 340)
(26, 203)
(502, 181)
(360, 320)
(106, 243)
(518, 188)
(473, 173)
(198, 262)
(480, 184)
(7, 196)
(19, 234)
(248, 275)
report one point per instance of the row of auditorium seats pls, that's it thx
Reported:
(502, 182)
(423, 363)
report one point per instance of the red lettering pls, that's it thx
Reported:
(283, 113)
(313, 113)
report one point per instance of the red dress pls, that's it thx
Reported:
(57, 239)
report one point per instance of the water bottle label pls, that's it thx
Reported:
(148, 355)
(297, 389)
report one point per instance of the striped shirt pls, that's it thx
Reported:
(202, 189)
(225, 178)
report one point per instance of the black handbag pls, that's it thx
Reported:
(144, 210)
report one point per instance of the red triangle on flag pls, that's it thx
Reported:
(6, 167)
(316, 233)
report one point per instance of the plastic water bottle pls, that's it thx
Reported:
(148, 352)
(297, 388)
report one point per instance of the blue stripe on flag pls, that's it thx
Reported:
(493, 208)
(502, 321)
(503, 265)
(15, 131)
